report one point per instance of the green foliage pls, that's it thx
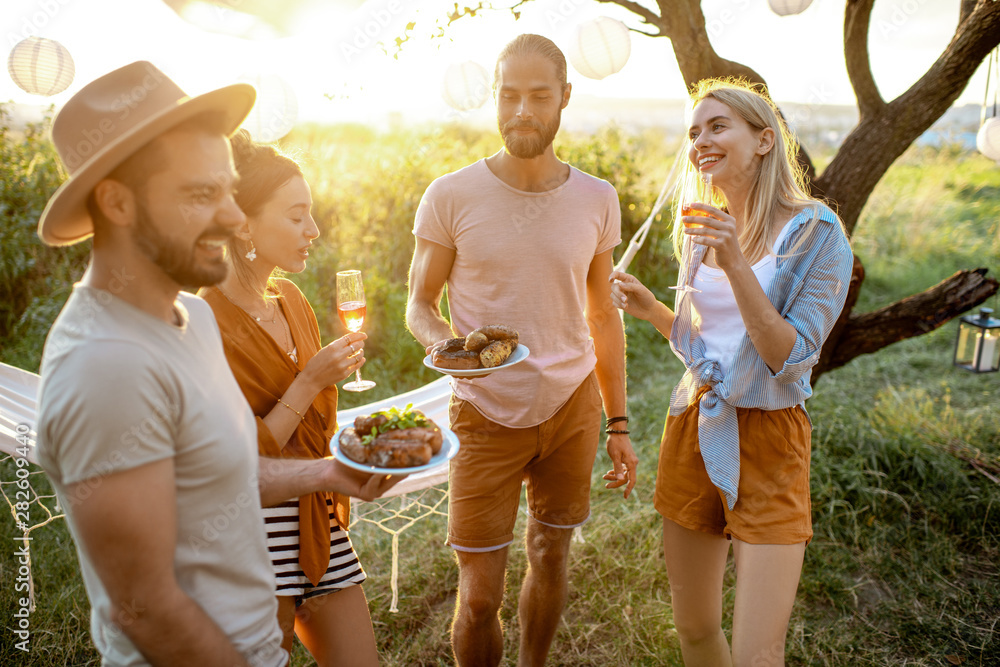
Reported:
(906, 448)
(34, 279)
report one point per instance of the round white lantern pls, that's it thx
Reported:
(988, 139)
(466, 86)
(600, 47)
(41, 66)
(788, 7)
(276, 110)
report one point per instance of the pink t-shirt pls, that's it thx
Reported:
(522, 259)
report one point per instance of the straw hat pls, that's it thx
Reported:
(111, 118)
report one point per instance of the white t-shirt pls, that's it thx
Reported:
(121, 388)
(715, 315)
(522, 259)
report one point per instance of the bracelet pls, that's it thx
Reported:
(614, 420)
(611, 431)
(290, 408)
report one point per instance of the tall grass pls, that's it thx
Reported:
(906, 448)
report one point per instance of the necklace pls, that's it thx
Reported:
(274, 314)
(274, 308)
(286, 332)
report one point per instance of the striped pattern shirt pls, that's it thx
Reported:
(808, 290)
(282, 522)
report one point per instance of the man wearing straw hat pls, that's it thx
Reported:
(142, 429)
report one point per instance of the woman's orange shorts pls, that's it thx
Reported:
(772, 505)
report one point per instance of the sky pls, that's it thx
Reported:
(332, 61)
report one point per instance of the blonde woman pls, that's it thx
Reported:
(272, 342)
(772, 266)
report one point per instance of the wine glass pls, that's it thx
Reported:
(702, 194)
(352, 310)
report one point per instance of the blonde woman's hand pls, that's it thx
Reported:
(719, 232)
(336, 361)
(630, 295)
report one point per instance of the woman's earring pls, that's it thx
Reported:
(252, 254)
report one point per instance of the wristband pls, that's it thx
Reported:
(614, 420)
(612, 431)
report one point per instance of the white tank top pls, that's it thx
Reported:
(715, 315)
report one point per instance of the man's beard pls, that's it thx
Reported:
(177, 262)
(530, 146)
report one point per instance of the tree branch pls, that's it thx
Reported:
(667, 22)
(857, 19)
(967, 8)
(945, 80)
(881, 137)
(912, 316)
(647, 15)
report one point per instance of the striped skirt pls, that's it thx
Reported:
(282, 522)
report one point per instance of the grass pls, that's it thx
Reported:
(903, 568)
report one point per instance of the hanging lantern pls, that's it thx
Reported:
(41, 66)
(600, 47)
(977, 347)
(276, 110)
(788, 7)
(466, 86)
(988, 139)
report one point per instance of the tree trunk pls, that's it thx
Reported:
(884, 132)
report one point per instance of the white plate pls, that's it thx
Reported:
(519, 354)
(448, 449)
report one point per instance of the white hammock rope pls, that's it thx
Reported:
(415, 498)
(410, 509)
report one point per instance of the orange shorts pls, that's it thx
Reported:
(555, 458)
(772, 505)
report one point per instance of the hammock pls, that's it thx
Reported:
(416, 497)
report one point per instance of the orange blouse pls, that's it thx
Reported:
(264, 372)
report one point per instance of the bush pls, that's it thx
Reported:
(35, 280)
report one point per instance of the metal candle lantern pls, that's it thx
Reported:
(977, 347)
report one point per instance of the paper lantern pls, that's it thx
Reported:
(41, 66)
(276, 110)
(466, 86)
(788, 7)
(988, 139)
(600, 47)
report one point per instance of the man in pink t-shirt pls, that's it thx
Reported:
(523, 239)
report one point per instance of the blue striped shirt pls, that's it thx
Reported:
(808, 290)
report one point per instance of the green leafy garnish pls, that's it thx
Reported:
(397, 419)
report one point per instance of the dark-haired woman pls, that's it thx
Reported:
(272, 342)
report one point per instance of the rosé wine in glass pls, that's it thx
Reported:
(352, 310)
(702, 194)
(352, 314)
